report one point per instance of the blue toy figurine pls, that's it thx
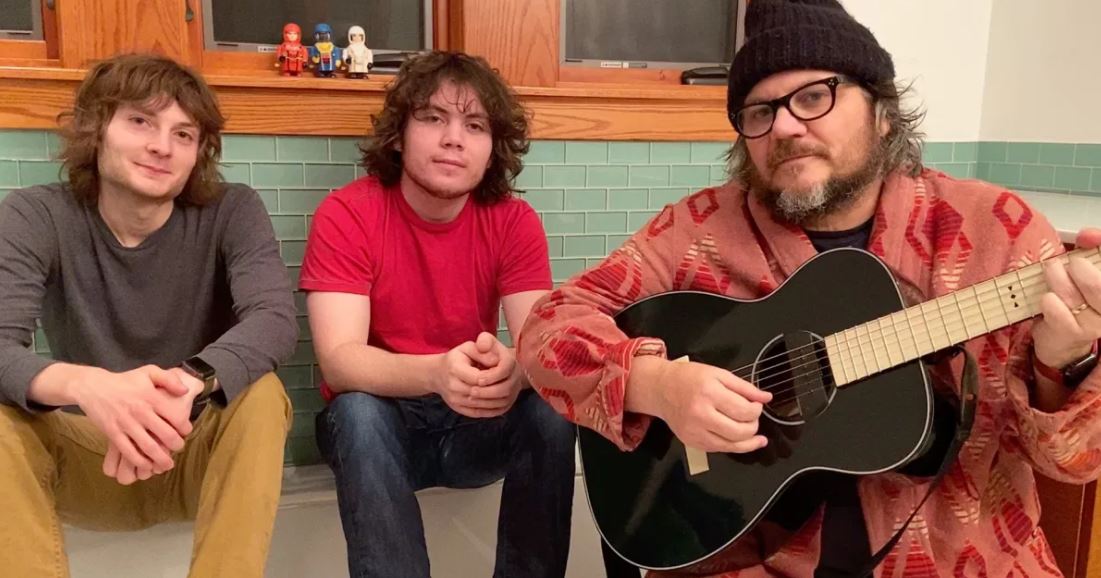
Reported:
(324, 55)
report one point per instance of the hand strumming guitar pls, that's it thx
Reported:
(707, 407)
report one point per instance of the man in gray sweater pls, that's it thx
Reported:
(167, 307)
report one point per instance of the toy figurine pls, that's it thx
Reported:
(357, 57)
(291, 55)
(324, 55)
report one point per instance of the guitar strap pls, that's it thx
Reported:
(969, 388)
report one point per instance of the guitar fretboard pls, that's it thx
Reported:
(940, 323)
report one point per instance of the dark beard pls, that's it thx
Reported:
(833, 196)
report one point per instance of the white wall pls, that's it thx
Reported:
(940, 45)
(1043, 78)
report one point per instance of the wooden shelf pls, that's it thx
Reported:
(262, 102)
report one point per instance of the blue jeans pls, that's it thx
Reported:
(382, 450)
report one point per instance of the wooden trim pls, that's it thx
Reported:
(456, 14)
(24, 50)
(441, 24)
(519, 38)
(90, 31)
(34, 103)
(196, 50)
(33, 52)
(1089, 546)
(31, 98)
(1064, 523)
(584, 74)
(228, 62)
(49, 30)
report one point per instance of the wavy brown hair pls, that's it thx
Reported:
(416, 82)
(149, 81)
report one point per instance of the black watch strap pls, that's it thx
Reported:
(1075, 373)
(202, 371)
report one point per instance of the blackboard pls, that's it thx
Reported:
(693, 31)
(390, 24)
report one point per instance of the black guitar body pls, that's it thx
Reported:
(655, 515)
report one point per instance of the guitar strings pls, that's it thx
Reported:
(815, 362)
(1026, 288)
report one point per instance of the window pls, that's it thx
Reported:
(257, 25)
(20, 20)
(650, 33)
(28, 33)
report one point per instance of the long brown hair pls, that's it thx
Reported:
(416, 82)
(145, 80)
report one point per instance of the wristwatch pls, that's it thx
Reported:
(1076, 372)
(1071, 375)
(201, 370)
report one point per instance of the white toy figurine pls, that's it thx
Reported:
(357, 56)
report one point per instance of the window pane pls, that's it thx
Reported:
(390, 24)
(20, 19)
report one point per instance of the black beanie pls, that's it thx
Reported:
(785, 35)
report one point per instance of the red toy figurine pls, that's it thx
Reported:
(291, 55)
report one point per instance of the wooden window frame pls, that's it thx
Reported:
(34, 52)
(518, 38)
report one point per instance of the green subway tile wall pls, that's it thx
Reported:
(1054, 167)
(590, 195)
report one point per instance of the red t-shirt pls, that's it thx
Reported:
(432, 285)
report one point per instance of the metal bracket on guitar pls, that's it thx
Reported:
(697, 458)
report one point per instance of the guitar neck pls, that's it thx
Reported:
(940, 323)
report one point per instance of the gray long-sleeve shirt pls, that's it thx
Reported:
(209, 282)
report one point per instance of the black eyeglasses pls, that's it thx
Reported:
(808, 102)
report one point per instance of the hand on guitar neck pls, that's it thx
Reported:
(706, 407)
(1071, 322)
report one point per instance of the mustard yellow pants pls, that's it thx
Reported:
(227, 478)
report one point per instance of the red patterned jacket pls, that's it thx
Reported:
(938, 234)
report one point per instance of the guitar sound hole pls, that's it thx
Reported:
(794, 368)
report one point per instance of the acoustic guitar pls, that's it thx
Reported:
(851, 396)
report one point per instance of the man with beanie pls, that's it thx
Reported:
(826, 157)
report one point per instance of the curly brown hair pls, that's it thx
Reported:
(154, 82)
(416, 82)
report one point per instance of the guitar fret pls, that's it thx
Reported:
(1011, 304)
(850, 371)
(924, 346)
(1034, 288)
(947, 322)
(837, 366)
(873, 342)
(977, 305)
(925, 307)
(854, 338)
(963, 316)
(892, 340)
(987, 305)
(974, 320)
(913, 353)
(866, 347)
(882, 342)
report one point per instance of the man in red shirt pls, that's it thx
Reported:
(407, 269)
